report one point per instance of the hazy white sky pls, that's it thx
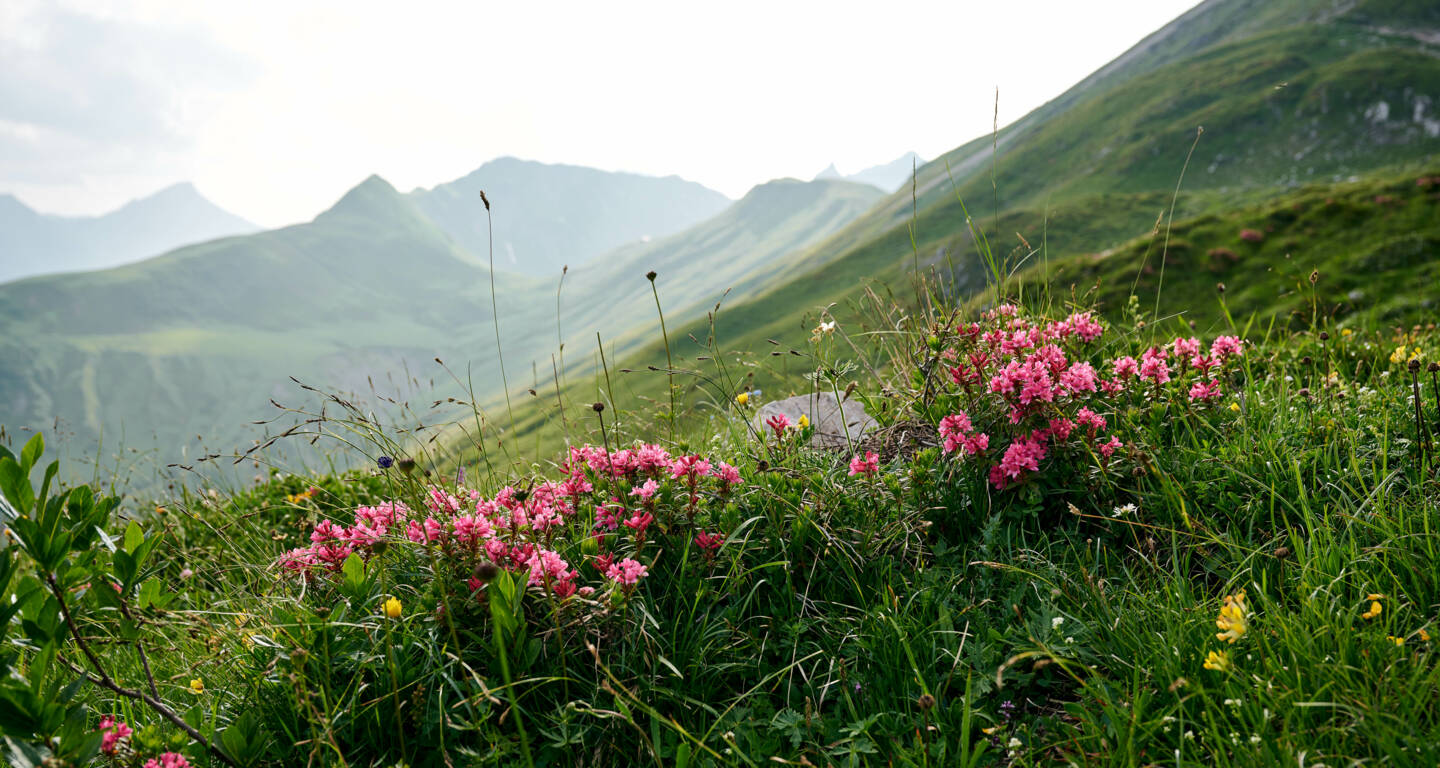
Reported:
(275, 107)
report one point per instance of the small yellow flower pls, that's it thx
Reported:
(1375, 610)
(197, 685)
(1374, 596)
(1346, 332)
(1218, 661)
(1235, 407)
(742, 399)
(392, 608)
(1398, 356)
(1233, 618)
(803, 422)
(990, 731)
(1395, 640)
(1424, 636)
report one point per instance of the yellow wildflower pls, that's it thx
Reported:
(1346, 332)
(1395, 640)
(392, 608)
(1424, 636)
(990, 731)
(197, 685)
(1235, 407)
(1218, 661)
(1398, 356)
(1233, 618)
(803, 422)
(1375, 610)
(1374, 596)
(742, 399)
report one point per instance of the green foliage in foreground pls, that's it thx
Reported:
(920, 617)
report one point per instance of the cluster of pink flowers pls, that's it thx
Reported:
(168, 760)
(114, 732)
(959, 433)
(614, 497)
(1042, 382)
(866, 465)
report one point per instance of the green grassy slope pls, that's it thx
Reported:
(1288, 93)
(1372, 247)
(197, 342)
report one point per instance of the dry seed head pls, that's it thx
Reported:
(486, 571)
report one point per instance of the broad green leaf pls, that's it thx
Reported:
(31, 452)
(15, 484)
(133, 536)
(354, 571)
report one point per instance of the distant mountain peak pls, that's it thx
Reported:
(551, 215)
(370, 197)
(888, 176)
(11, 204)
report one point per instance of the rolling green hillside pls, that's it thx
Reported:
(1288, 93)
(1364, 252)
(1290, 96)
(179, 353)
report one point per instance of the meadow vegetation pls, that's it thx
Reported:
(1078, 537)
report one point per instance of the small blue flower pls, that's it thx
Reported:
(385, 462)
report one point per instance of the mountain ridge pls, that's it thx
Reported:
(560, 214)
(34, 243)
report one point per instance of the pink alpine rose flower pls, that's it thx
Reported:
(867, 465)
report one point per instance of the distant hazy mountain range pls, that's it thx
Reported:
(33, 243)
(888, 177)
(550, 216)
(197, 341)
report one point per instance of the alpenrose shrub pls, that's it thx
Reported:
(615, 500)
(1031, 390)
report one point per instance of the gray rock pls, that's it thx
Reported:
(831, 420)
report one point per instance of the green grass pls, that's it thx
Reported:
(1359, 241)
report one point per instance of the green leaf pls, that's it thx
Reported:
(149, 594)
(353, 570)
(244, 740)
(31, 452)
(15, 484)
(20, 754)
(50, 473)
(124, 567)
(133, 536)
